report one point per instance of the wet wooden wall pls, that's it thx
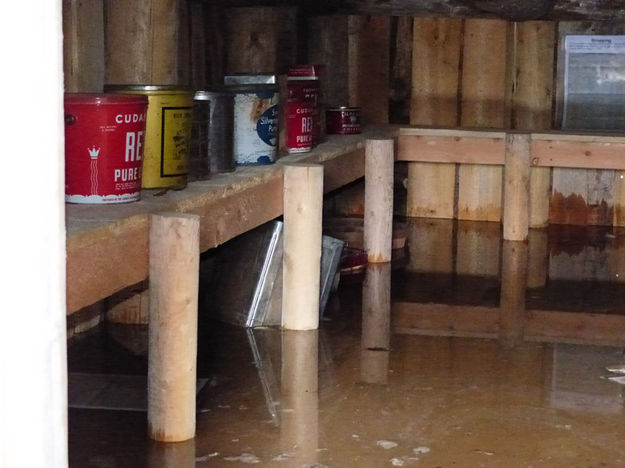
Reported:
(438, 71)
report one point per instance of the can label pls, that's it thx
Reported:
(104, 152)
(343, 121)
(299, 126)
(309, 90)
(255, 127)
(175, 136)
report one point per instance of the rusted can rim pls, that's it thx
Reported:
(207, 95)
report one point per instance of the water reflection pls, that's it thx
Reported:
(376, 324)
(171, 455)
(299, 431)
(564, 284)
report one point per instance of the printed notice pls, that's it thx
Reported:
(594, 83)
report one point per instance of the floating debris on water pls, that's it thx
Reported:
(386, 444)
(244, 458)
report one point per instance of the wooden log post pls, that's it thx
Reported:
(299, 428)
(436, 51)
(484, 91)
(379, 165)
(376, 324)
(143, 42)
(516, 187)
(532, 99)
(83, 46)
(513, 284)
(303, 206)
(174, 282)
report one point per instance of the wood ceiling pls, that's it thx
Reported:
(519, 10)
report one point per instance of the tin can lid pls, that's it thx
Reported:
(255, 88)
(207, 95)
(344, 108)
(248, 79)
(304, 72)
(104, 99)
(135, 88)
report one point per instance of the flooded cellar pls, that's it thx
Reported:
(364, 234)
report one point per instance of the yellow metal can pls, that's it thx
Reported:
(167, 133)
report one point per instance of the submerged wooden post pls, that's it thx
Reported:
(516, 187)
(379, 164)
(174, 281)
(513, 285)
(303, 206)
(376, 324)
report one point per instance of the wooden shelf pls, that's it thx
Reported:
(107, 245)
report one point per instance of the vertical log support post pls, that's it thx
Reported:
(516, 187)
(174, 281)
(379, 164)
(303, 206)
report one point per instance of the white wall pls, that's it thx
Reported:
(33, 376)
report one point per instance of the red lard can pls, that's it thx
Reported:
(303, 83)
(343, 120)
(299, 125)
(104, 139)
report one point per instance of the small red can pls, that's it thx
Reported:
(104, 139)
(343, 120)
(299, 125)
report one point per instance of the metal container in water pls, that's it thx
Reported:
(104, 139)
(255, 123)
(213, 131)
(168, 131)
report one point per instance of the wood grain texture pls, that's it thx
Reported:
(532, 101)
(378, 222)
(437, 44)
(328, 46)
(301, 265)
(173, 315)
(368, 55)
(83, 46)
(143, 42)
(484, 90)
(516, 187)
(252, 40)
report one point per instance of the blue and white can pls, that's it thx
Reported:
(255, 123)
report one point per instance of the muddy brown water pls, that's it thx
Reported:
(495, 357)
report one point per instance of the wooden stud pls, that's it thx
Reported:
(401, 68)
(252, 40)
(299, 427)
(516, 187)
(435, 73)
(143, 41)
(484, 90)
(368, 55)
(174, 281)
(376, 324)
(379, 164)
(83, 46)
(532, 101)
(512, 297)
(198, 42)
(303, 206)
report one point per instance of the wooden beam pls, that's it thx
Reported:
(465, 148)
